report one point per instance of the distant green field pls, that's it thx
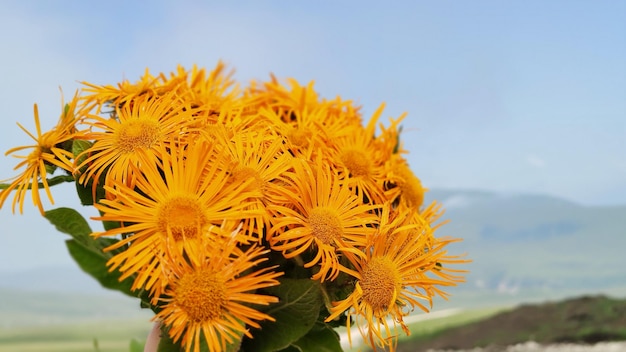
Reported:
(116, 336)
(108, 336)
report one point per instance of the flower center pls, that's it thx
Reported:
(380, 284)
(356, 162)
(325, 225)
(243, 173)
(411, 187)
(137, 133)
(299, 137)
(181, 217)
(201, 295)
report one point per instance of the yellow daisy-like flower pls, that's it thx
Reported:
(389, 277)
(208, 92)
(262, 159)
(304, 135)
(401, 185)
(50, 151)
(136, 134)
(110, 96)
(431, 215)
(321, 216)
(283, 101)
(306, 122)
(209, 301)
(171, 207)
(360, 158)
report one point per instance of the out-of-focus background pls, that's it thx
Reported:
(517, 123)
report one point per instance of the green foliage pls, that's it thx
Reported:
(86, 251)
(87, 194)
(69, 221)
(166, 344)
(93, 262)
(320, 338)
(296, 313)
(78, 147)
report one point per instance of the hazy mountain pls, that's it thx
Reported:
(41, 308)
(534, 245)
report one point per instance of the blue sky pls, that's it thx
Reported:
(509, 96)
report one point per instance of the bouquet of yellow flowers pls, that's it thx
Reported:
(251, 219)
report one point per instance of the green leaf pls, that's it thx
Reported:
(69, 221)
(93, 262)
(78, 147)
(136, 346)
(166, 344)
(295, 314)
(85, 191)
(322, 338)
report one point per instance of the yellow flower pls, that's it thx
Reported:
(171, 207)
(51, 150)
(207, 92)
(283, 101)
(307, 123)
(209, 301)
(401, 185)
(305, 136)
(261, 158)
(321, 218)
(359, 157)
(391, 280)
(137, 133)
(148, 86)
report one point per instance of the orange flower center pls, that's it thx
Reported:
(201, 295)
(356, 162)
(325, 225)
(243, 173)
(380, 284)
(182, 217)
(136, 134)
(410, 186)
(299, 137)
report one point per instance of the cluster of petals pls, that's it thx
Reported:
(200, 180)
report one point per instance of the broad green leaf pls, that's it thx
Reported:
(291, 348)
(93, 262)
(85, 191)
(79, 146)
(84, 194)
(136, 346)
(295, 314)
(166, 344)
(321, 338)
(69, 221)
